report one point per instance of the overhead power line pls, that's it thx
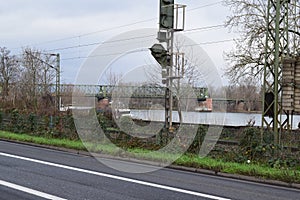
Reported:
(97, 43)
(113, 28)
(99, 55)
(89, 33)
(131, 38)
(118, 53)
(205, 6)
(212, 42)
(205, 28)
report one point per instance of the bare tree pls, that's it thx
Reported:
(37, 77)
(112, 77)
(250, 92)
(189, 70)
(9, 71)
(249, 18)
(246, 93)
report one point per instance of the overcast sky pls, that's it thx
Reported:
(55, 24)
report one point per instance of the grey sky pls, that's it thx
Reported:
(36, 22)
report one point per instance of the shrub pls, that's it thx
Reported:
(199, 138)
(251, 139)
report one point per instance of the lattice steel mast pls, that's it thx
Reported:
(276, 50)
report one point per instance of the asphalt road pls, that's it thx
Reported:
(31, 173)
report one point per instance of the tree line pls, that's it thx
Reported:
(26, 80)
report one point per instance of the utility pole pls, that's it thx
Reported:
(57, 81)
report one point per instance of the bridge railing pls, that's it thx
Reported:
(144, 91)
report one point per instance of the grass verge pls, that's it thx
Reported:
(256, 170)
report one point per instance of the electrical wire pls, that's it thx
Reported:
(100, 55)
(128, 39)
(133, 38)
(112, 28)
(97, 43)
(119, 53)
(205, 6)
(90, 33)
(205, 28)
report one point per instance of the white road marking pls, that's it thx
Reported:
(30, 191)
(117, 177)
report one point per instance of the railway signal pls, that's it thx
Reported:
(166, 16)
(162, 56)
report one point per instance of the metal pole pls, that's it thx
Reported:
(58, 81)
(263, 120)
(170, 50)
(276, 75)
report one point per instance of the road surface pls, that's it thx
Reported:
(32, 173)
